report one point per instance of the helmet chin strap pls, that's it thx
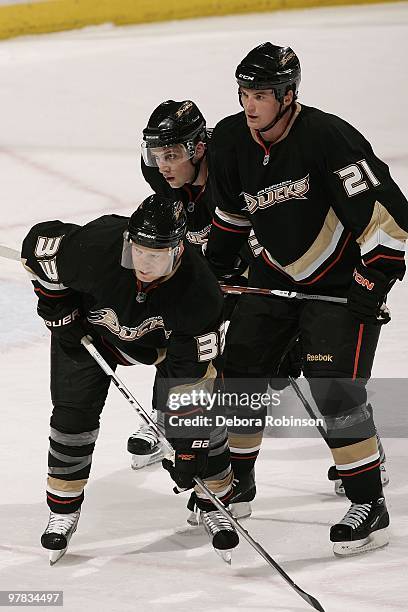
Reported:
(277, 118)
(196, 166)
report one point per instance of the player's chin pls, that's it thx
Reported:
(174, 183)
(253, 123)
(145, 277)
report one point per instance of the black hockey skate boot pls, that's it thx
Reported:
(363, 528)
(222, 534)
(244, 491)
(145, 448)
(58, 533)
(333, 475)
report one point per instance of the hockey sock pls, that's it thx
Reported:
(358, 466)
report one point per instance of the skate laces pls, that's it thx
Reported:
(62, 523)
(356, 515)
(214, 522)
(145, 432)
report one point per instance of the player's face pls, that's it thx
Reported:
(150, 264)
(174, 164)
(260, 106)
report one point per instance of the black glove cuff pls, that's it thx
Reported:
(226, 273)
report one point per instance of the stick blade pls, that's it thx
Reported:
(312, 601)
(9, 253)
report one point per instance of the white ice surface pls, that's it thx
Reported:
(72, 109)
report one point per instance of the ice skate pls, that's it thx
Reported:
(363, 528)
(239, 510)
(145, 448)
(58, 533)
(240, 503)
(222, 534)
(244, 492)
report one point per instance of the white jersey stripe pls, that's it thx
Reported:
(381, 237)
(233, 219)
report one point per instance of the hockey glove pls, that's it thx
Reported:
(191, 457)
(366, 296)
(230, 276)
(67, 326)
(234, 275)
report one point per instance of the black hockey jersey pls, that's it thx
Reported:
(318, 201)
(197, 199)
(80, 267)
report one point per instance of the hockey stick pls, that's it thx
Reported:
(312, 601)
(9, 253)
(307, 406)
(93, 351)
(237, 290)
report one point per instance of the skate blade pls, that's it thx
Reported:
(141, 461)
(385, 479)
(55, 555)
(193, 520)
(240, 510)
(377, 539)
(225, 555)
(338, 488)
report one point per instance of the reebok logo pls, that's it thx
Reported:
(319, 357)
(364, 282)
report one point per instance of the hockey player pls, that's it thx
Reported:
(120, 281)
(332, 222)
(174, 163)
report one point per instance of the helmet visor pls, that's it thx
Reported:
(149, 264)
(172, 155)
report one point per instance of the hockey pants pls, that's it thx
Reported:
(338, 353)
(78, 391)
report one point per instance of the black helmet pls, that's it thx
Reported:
(158, 223)
(175, 123)
(270, 67)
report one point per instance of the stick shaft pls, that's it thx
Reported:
(307, 406)
(238, 290)
(90, 347)
(86, 342)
